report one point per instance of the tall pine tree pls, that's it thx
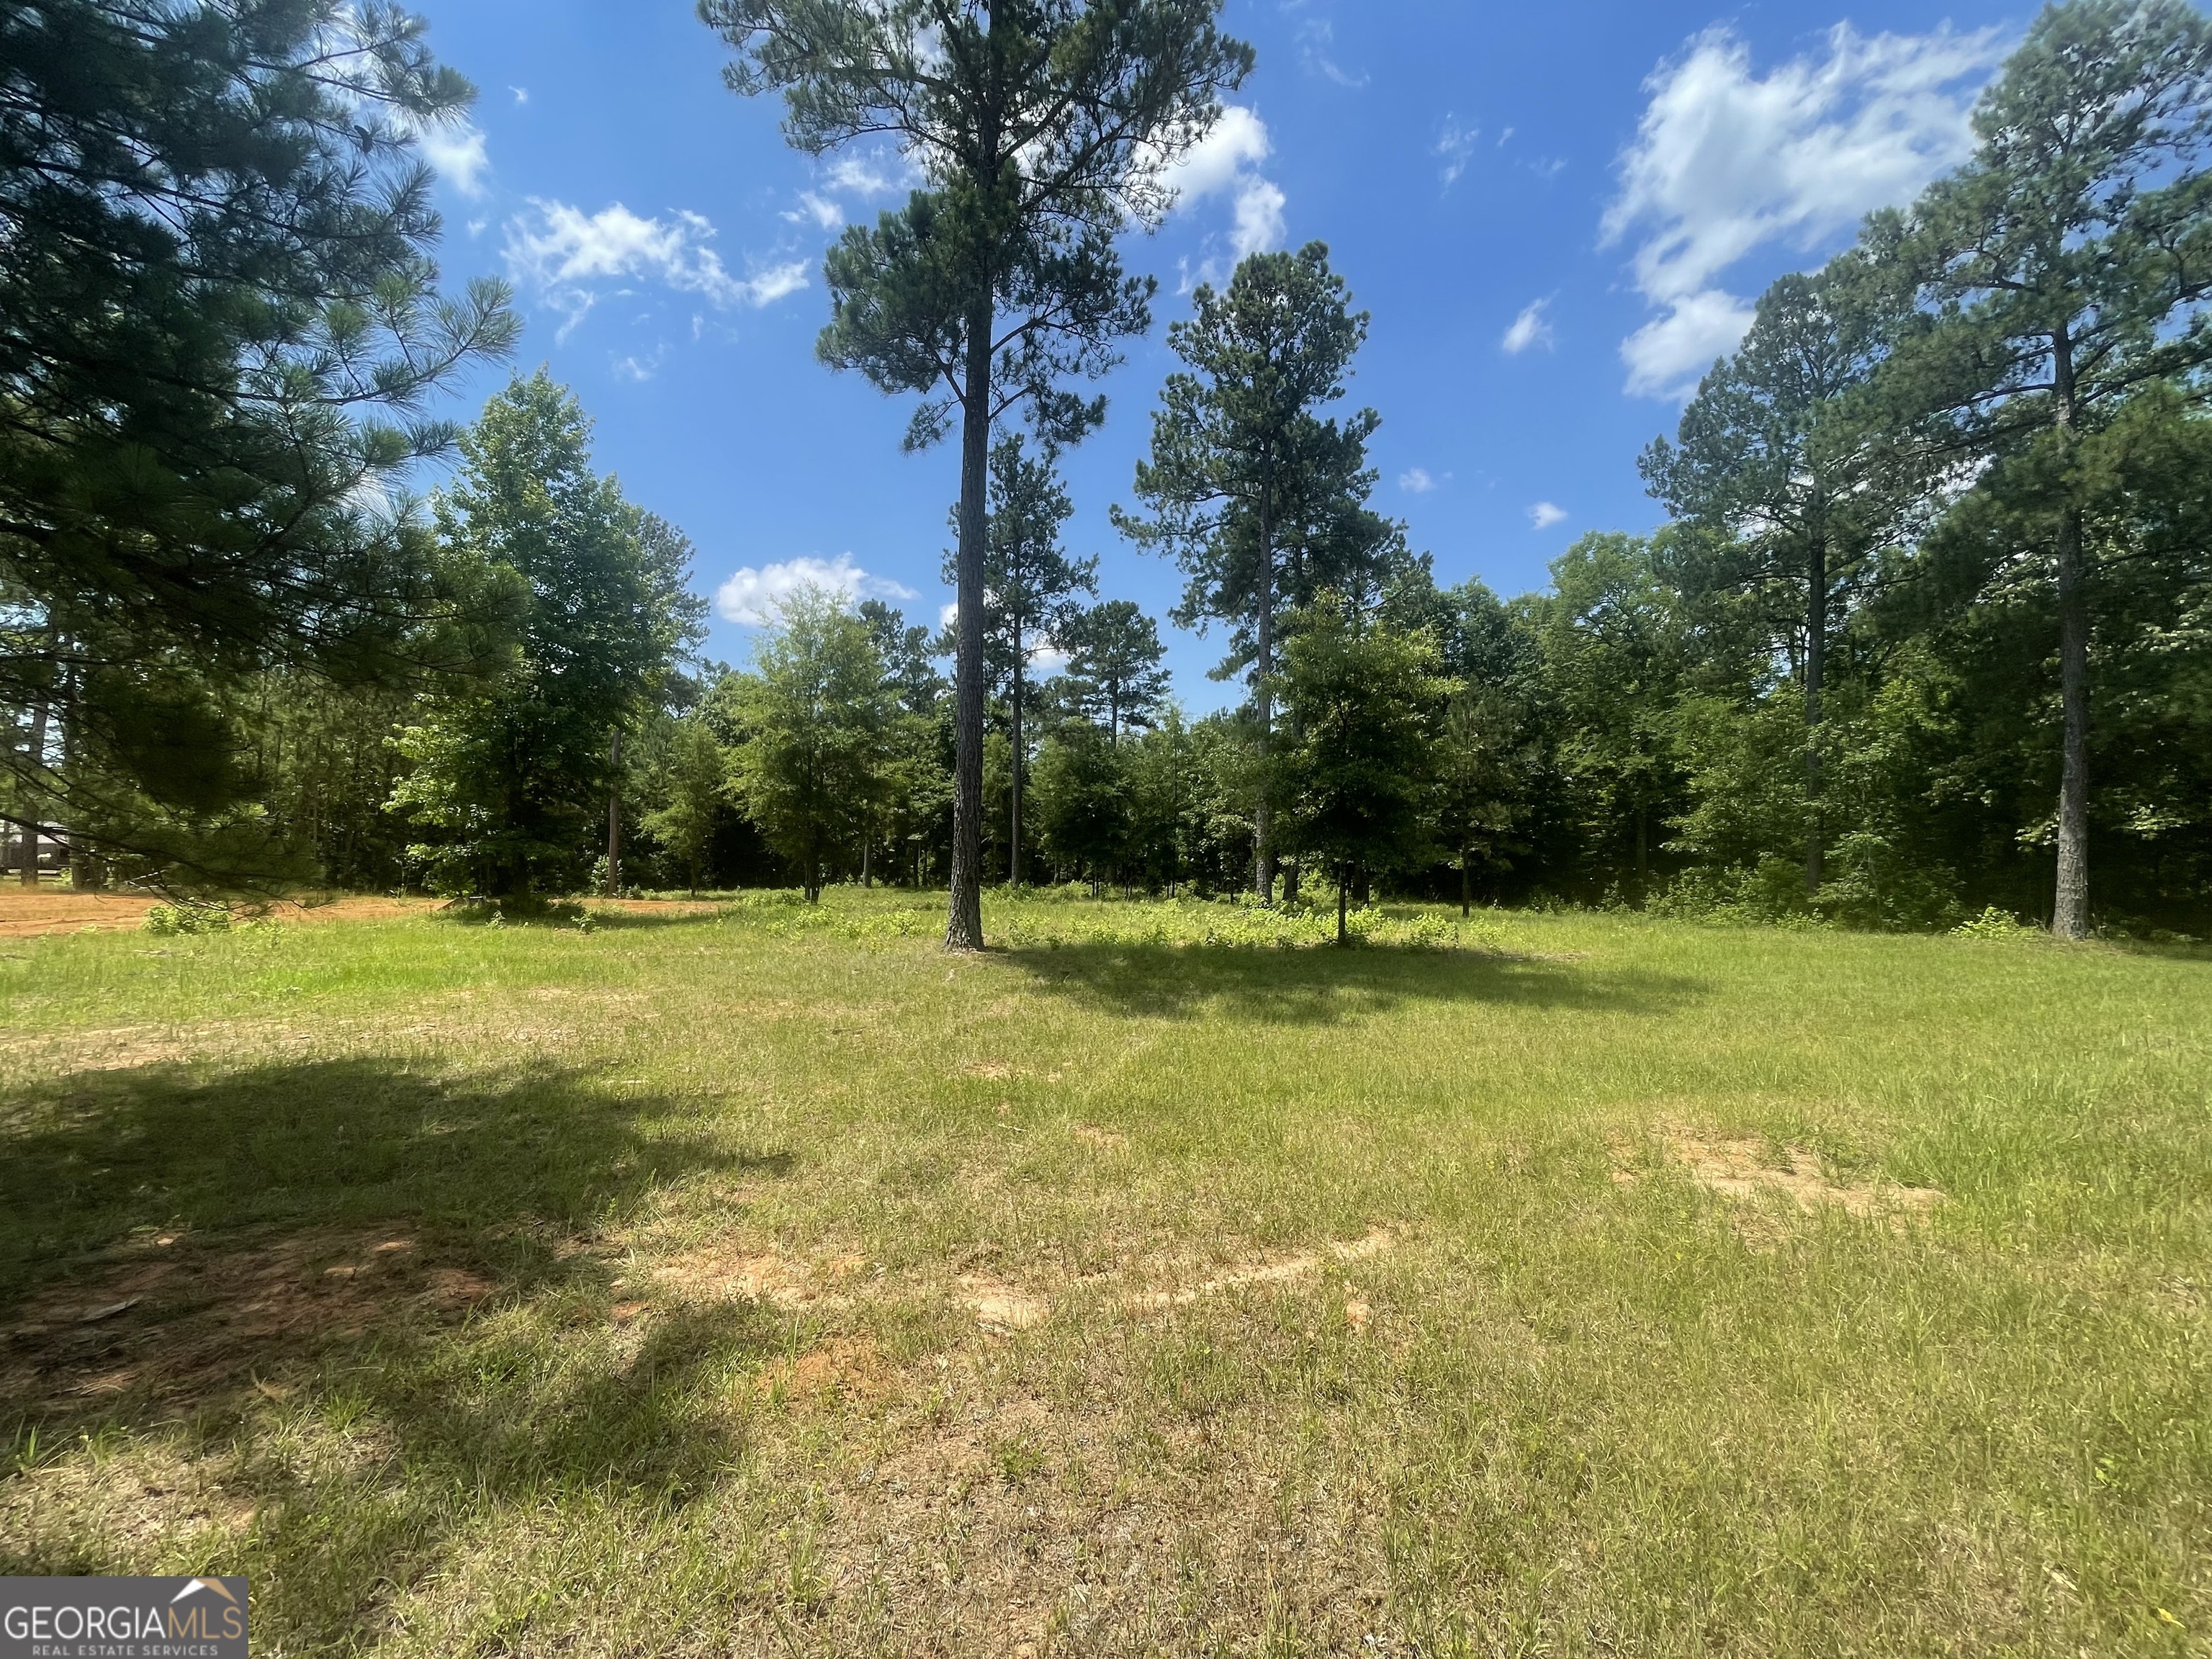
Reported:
(2057, 272)
(1043, 128)
(1238, 447)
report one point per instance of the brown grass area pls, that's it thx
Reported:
(172, 1320)
(989, 1523)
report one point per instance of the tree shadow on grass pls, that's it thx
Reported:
(164, 1239)
(1320, 985)
(530, 1149)
(348, 1254)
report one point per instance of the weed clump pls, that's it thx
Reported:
(169, 921)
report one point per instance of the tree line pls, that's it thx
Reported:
(1928, 629)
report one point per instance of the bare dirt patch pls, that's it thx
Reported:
(1746, 1170)
(1104, 1140)
(659, 906)
(846, 1370)
(728, 1273)
(183, 1321)
(1001, 1308)
(26, 912)
(1282, 1270)
(27, 915)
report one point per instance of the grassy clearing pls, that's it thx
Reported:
(763, 1281)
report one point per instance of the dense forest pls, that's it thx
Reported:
(1927, 631)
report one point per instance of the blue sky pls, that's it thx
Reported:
(1557, 215)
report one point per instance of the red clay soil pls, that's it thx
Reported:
(27, 912)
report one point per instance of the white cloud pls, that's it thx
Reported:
(1226, 163)
(1669, 355)
(1529, 329)
(456, 152)
(868, 176)
(1725, 162)
(641, 369)
(1317, 38)
(820, 210)
(1416, 481)
(521, 94)
(778, 281)
(1259, 206)
(1545, 514)
(751, 597)
(1454, 146)
(947, 615)
(567, 256)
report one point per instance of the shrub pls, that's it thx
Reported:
(1994, 923)
(168, 920)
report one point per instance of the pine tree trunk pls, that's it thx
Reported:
(1014, 840)
(964, 925)
(614, 819)
(2069, 916)
(1466, 887)
(30, 831)
(1263, 810)
(1342, 882)
(1816, 668)
(2070, 912)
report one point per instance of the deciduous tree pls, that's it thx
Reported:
(815, 713)
(694, 791)
(1365, 698)
(512, 771)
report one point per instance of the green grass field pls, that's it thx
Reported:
(765, 1281)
